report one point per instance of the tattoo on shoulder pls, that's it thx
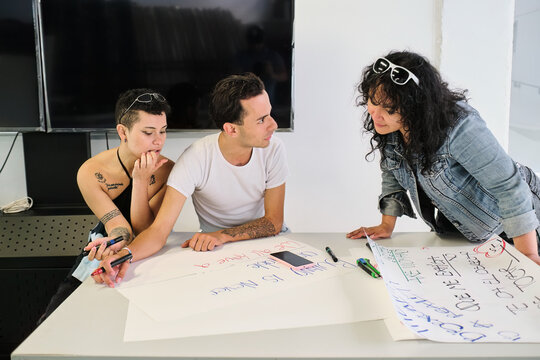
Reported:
(255, 229)
(121, 231)
(100, 178)
(152, 179)
(114, 186)
(108, 216)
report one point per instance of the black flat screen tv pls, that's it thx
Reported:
(95, 49)
(21, 108)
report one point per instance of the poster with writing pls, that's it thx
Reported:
(335, 300)
(251, 276)
(484, 293)
(177, 262)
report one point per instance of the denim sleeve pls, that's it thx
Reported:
(396, 204)
(473, 146)
(394, 200)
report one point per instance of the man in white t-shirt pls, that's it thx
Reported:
(236, 178)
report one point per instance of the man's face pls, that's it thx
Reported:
(258, 125)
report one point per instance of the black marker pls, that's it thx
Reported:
(331, 253)
(369, 246)
(113, 264)
(107, 244)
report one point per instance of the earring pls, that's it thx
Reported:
(125, 140)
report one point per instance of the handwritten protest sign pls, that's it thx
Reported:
(484, 293)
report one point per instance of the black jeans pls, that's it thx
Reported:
(66, 288)
(70, 283)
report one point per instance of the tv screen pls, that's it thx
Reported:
(96, 49)
(20, 78)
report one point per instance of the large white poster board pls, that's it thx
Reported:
(236, 273)
(183, 293)
(487, 293)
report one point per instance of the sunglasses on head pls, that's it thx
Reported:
(144, 98)
(398, 74)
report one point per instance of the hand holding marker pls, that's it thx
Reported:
(107, 244)
(113, 264)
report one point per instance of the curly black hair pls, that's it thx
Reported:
(428, 110)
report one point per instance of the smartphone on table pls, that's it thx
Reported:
(291, 260)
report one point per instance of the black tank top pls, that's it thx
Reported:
(123, 201)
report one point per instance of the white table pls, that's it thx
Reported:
(90, 325)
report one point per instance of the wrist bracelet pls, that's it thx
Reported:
(129, 251)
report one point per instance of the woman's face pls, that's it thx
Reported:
(385, 119)
(147, 134)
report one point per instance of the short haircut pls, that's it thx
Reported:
(128, 97)
(225, 106)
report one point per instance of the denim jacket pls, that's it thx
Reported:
(472, 182)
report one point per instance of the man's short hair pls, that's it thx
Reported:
(128, 100)
(225, 106)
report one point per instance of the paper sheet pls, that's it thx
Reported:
(398, 331)
(335, 300)
(395, 327)
(484, 293)
(252, 276)
(177, 262)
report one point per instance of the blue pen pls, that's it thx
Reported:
(107, 244)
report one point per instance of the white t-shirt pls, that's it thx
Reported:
(225, 195)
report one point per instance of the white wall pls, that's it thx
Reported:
(524, 137)
(331, 186)
(476, 55)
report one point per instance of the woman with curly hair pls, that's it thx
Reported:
(434, 146)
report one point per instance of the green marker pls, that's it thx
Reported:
(373, 268)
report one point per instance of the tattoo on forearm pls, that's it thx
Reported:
(152, 179)
(255, 229)
(121, 231)
(108, 216)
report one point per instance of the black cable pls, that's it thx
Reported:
(107, 139)
(9, 152)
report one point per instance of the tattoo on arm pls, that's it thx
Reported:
(152, 179)
(100, 178)
(113, 186)
(254, 229)
(121, 231)
(108, 216)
